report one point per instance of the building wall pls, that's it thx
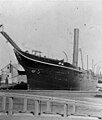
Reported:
(12, 75)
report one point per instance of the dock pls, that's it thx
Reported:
(31, 117)
(20, 106)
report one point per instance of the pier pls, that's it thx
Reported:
(45, 107)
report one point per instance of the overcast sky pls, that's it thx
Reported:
(48, 25)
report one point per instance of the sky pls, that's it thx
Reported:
(48, 26)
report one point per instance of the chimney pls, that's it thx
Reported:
(75, 48)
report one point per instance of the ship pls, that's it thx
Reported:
(44, 73)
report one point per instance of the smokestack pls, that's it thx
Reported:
(75, 48)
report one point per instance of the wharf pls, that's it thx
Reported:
(43, 117)
(52, 105)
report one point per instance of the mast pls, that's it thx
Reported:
(87, 62)
(81, 58)
(75, 48)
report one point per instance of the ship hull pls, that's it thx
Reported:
(47, 74)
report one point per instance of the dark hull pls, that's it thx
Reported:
(45, 73)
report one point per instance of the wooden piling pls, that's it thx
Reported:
(65, 110)
(10, 110)
(25, 105)
(4, 103)
(37, 111)
(48, 106)
(73, 109)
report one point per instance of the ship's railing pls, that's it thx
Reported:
(38, 99)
